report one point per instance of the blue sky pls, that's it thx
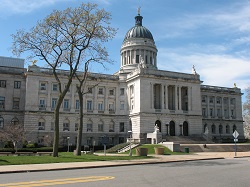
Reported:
(213, 35)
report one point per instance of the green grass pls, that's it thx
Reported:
(63, 157)
(151, 150)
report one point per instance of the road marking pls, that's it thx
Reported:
(59, 181)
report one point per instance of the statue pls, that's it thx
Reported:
(156, 128)
(33, 62)
(139, 10)
(193, 70)
(235, 85)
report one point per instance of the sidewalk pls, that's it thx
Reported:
(156, 159)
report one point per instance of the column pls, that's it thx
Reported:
(189, 98)
(215, 107)
(166, 95)
(162, 96)
(222, 107)
(229, 108)
(180, 107)
(121, 61)
(152, 95)
(208, 108)
(176, 98)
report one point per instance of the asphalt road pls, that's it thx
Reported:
(223, 172)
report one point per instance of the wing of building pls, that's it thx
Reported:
(137, 98)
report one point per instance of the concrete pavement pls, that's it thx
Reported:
(155, 159)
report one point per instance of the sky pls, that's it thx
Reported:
(212, 35)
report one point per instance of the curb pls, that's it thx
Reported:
(102, 166)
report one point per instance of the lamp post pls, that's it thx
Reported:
(68, 142)
(130, 137)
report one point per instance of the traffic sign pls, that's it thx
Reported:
(235, 134)
(235, 140)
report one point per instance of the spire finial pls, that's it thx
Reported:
(139, 10)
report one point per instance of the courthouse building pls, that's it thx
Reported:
(135, 98)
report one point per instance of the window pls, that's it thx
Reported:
(89, 127)
(218, 113)
(121, 91)
(17, 84)
(42, 103)
(122, 127)
(52, 125)
(2, 102)
(100, 91)
(66, 126)
(213, 129)
(41, 125)
(211, 112)
(211, 100)
(66, 104)
(122, 105)
(203, 100)
(232, 101)
(234, 128)
(14, 121)
(220, 129)
(77, 104)
(76, 126)
(218, 100)
(2, 84)
(90, 90)
(203, 112)
(100, 106)
(89, 105)
(89, 141)
(111, 107)
(112, 92)
(100, 127)
(111, 126)
(1, 123)
(53, 103)
(232, 113)
(16, 101)
(55, 87)
(227, 129)
(42, 86)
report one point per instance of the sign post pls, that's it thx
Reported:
(235, 135)
(105, 141)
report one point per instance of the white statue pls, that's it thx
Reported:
(193, 70)
(156, 128)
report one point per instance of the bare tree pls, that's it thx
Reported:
(246, 107)
(13, 132)
(66, 38)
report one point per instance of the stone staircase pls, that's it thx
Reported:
(127, 147)
(187, 139)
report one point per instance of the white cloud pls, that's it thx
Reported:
(24, 6)
(214, 69)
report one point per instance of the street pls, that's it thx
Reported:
(222, 172)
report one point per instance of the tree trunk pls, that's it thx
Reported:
(56, 126)
(79, 136)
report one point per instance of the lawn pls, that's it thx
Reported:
(63, 157)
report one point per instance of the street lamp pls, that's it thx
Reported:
(68, 142)
(130, 150)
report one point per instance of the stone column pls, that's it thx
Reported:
(215, 107)
(152, 95)
(180, 107)
(189, 98)
(166, 95)
(176, 98)
(222, 107)
(162, 96)
(229, 108)
(208, 108)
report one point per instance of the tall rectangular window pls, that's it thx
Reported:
(17, 84)
(55, 87)
(121, 91)
(77, 104)
(2, 102)
(16, 102)
(53, 103)
(112, 92)
(204, 112)
(42, 103)
(66, 104)
(100, 127)
(122, 127)
(100, 91)
(42, 86)
(89, 127)
(65, 126)
(111, 107)
(89, 105)
(100, 106)
(2, 83)
(41, 125)
(122, 105)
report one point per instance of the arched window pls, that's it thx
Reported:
(41, 124)
(227, 129)
(111, 126)
(185, 128)
(1, 122)
(14, 121)
(213, 129)
(100, 126)
(66, 125)
(220, 129)
(234, 128)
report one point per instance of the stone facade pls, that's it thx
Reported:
(136, 98)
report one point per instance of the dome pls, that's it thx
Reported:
(138, 31)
